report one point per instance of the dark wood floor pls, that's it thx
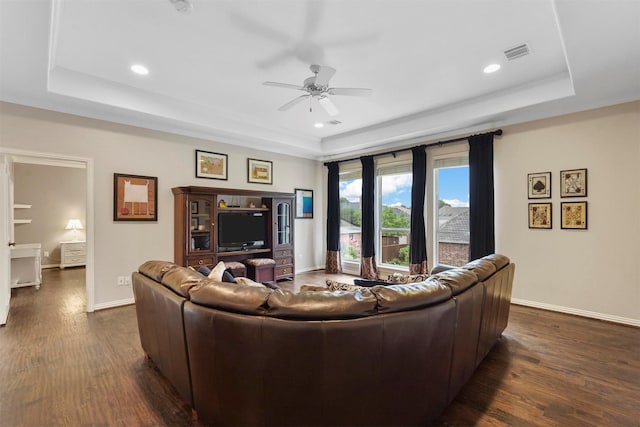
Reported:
(62, 366)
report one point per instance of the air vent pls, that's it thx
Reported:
(334, 122)
(517, 52)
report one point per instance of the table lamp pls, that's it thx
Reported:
(75, 225)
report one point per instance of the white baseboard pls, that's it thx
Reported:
(113, 304)
(304, 270)
(577, 312)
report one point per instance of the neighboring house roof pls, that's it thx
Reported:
(403, 210)
(348, 228)
(454, 224)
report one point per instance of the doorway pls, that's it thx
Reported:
(31, 166)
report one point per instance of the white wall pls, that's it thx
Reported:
(592, 272)
(120, 247)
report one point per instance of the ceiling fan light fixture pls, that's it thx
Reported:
(318, 125)
(140, 69)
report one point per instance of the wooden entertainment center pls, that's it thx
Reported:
(197, 234)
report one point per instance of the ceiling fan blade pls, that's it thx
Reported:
(328, 106)
(324, 75)
(349, 91)
(284, 85)
(293, 102)
(258, 28)
(274, 59)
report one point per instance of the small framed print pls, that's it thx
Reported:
(574, 215)
(573, 183)
(304, 203)
(211, 165)
(135, 197)
(539, 185)
(540, 215)
(259, 171)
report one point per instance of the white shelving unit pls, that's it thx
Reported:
(21, 206)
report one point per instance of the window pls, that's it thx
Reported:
(451, 182)
(447, 227)
(350, 212)
(393, 213)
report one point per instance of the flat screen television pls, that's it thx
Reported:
(241, 230)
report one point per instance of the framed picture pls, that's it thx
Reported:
(573, 183)
(539, 185)
(540, 215)
(304, 203)
(135, 197)
(259, 171)
(574, 215)
(194, 223)
(194, 207)
(211, 165)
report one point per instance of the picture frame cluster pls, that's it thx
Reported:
(212, 165)
(573, 214)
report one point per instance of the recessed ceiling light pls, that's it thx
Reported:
(319, 125)
(491, 68)
(140, 69)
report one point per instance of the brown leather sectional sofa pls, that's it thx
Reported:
(388, 355)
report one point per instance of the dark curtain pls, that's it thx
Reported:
(418, 238)
(481, 209)
(332, 263)
(368, 268)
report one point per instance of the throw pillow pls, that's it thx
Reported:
(339, 286)
(227, 276)
(204, 270)
(398, 278)
(313, 288)
(369, 283)
(216, 273)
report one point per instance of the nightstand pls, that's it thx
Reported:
(73, 254)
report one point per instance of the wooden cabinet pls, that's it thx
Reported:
(200, 236)
(282, 209)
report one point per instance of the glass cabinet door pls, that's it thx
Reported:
(200, 217)
(283, 218)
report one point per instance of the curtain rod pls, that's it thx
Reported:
(497, 132)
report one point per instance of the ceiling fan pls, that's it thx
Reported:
(317, 86)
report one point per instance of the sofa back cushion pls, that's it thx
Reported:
(483, 268)
(172, 276)
(321, 305)
(230, 296)
(410, 296)
(458, 279)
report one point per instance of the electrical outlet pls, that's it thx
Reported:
(127, 280)
(121, 280)
(46, 254)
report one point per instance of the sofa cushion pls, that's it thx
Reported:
(181, 280)
(410, 296)
(156, 269)
(500, 261)
(483, 268)
(458, 279)
(230, 296)
(321, 305)
(245, 281)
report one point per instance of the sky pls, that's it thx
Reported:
(396, 189)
